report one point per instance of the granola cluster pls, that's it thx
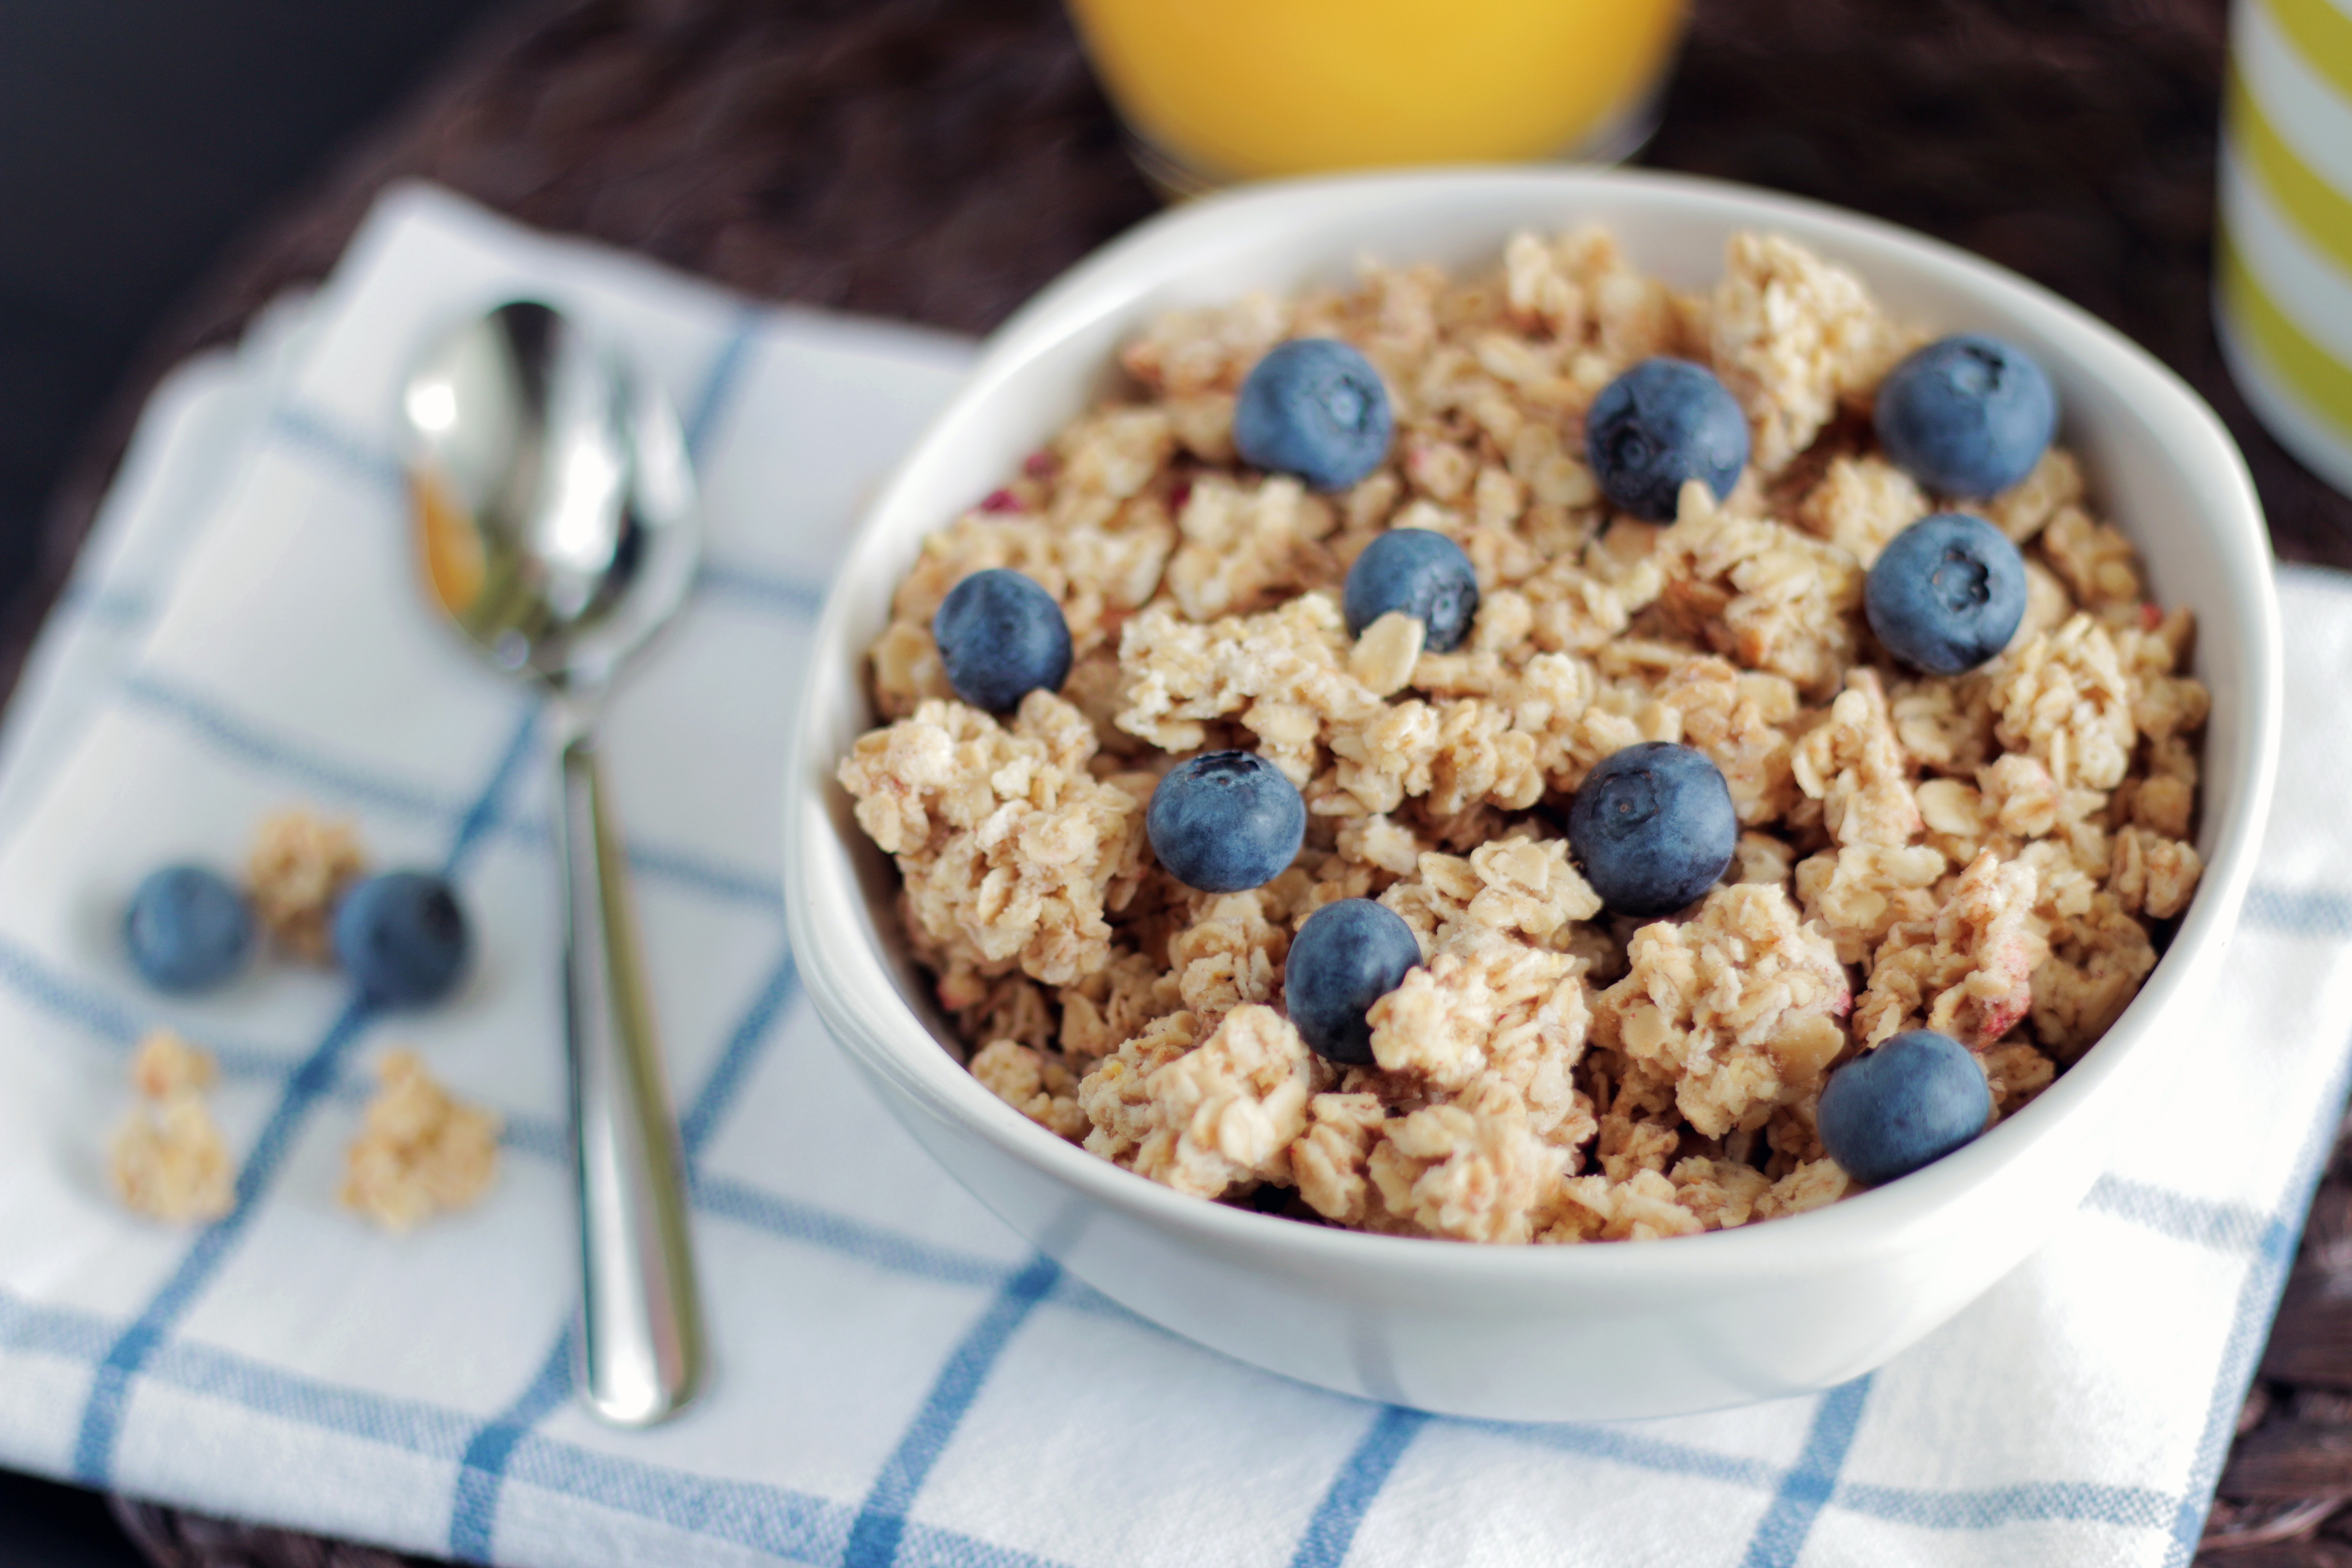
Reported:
(300, 864)
(1989, 855)
(419, 1150)
(169, 1161)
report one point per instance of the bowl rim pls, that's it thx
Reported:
(886, 1036)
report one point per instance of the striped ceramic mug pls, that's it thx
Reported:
(2284, 274)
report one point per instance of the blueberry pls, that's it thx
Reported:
(1224, 821)
(1422, 572)
(1345, 957)
(1314, 407)
(402, 938)
(1652, 827)
(1947, 594)
(188, 929)
(1911, 1101)
(1966, 415)
(1661, 423)
(1000, 636)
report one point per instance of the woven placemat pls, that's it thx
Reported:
(938, 160)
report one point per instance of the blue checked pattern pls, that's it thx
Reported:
(1807, 1482)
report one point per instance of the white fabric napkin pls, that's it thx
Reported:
(902, 1380)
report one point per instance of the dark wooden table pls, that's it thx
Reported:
(938, 160)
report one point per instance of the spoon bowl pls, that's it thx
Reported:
(555, 502)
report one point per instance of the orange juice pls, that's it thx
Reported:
(1245, 88)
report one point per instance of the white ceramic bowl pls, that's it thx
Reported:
(1538, 1333)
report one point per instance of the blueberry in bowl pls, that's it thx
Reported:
(1314, 407)
(1889, 1111)
(1000, 636)
(1345, 956)
(1660, 425)
(1966, 415)
(1947, 594)
(1225, 821)
(1421, 573)
(1652, 827)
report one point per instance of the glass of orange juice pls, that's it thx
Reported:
(1218, 91)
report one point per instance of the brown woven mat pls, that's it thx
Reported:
(941, 159)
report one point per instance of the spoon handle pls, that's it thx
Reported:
(640, 1342)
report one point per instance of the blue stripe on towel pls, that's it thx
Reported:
(1988, 1508)
(727, 1077)
(709, 877)
(1361, 1476)
(481, 1477)
(92, 601)
(60, 1333)
(101, 1418)
(2258, 1298)
(2309, 912)
(98, 1013)
(319, 433)
(253, 743)
(1789, 1519)
(875, 1536)
(721, 381)
(790, 1219)
(799, 600)
(473, 1512)
(1623, 1446)
(2224, 1227)
(775, 1520)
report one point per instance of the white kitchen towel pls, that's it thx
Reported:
(901, 1379)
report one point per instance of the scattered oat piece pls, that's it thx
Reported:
(1032, 1082)
(1739, 1010)
(300, 864)
(166, 1064)
(169, 1161)
(419, 1151)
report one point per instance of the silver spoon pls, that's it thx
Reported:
(556, 511)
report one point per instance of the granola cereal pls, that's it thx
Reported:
(1994, 855)
(300, 864)
(169, 1161)
(419, 1150)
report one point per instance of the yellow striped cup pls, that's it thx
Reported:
(2284, 273)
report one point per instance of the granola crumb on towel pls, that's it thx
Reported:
(300, 864)
(419, 1150)
(169, 1160)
